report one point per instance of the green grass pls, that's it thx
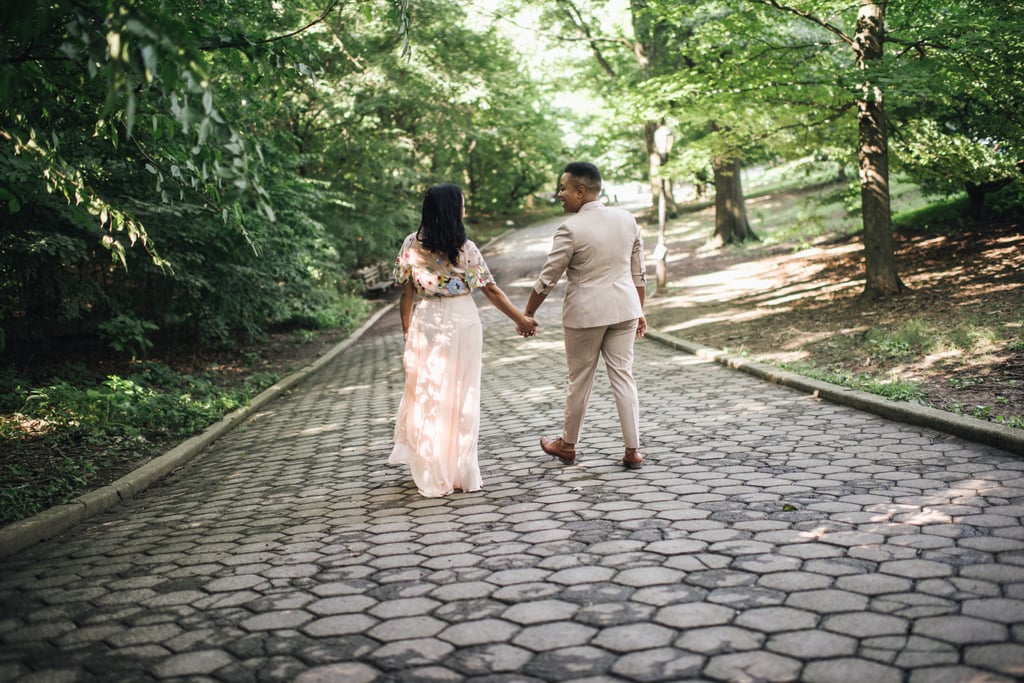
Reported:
(828, 208)
(82, 424)
(891, 388)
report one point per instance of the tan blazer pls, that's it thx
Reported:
(601, 251)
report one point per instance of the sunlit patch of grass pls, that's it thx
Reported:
(913, 337)
(975, 337)
(916, 338)
(890, 387)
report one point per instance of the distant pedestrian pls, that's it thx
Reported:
(437, 426)
(601, 252)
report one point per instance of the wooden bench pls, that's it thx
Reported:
(377, 278)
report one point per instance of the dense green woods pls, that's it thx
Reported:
(207, 170)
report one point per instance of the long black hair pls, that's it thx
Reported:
(441, 226)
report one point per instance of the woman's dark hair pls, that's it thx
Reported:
(441, 227)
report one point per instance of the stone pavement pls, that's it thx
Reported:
(770, 536)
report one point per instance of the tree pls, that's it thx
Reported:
(670, 33)
(655, 39)
(957, 110)
(266, 149)
(873, 155)
(731, 224)
(790, 77)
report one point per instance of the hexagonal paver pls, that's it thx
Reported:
(694, 615)
(648, 576)
(479, 632)
(554, 635)
(339, 625)
(812, 644)
(845, 670)
(664, 664)
(737, 667)
(776, 619)
(960, 629)
(403, 607)
(866, 624)
(540, 611)
(827, 601)
(193, 663)
(582, 575)
(346, 604)
(633, 637)
(720, 639)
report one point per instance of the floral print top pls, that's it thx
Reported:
(434, 275)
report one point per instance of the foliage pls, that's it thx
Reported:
(125, 333)
(108, 415)
(779, 76)
(891, 387)
(221, 169)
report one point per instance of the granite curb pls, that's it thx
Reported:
(1000, 436)
(55, 520)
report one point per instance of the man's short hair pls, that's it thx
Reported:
(585, 172)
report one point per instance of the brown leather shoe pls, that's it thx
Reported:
(633, 458)
(559, 449)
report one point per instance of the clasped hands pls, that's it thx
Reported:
(528, 329)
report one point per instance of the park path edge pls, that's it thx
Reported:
(972, 429)
(55, 520)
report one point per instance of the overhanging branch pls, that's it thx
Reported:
(246, 42)
(811, 18)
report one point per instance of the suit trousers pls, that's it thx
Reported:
(583, 348)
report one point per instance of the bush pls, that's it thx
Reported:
(125, 333)
(89, 421)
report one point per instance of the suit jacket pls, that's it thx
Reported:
(601, 251)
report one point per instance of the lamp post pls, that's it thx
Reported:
(663, 139)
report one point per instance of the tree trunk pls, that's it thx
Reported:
(881, 278)
(976, 195)
(731, 224)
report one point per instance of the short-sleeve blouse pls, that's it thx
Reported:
(434, 275)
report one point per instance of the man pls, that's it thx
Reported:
(600, 250)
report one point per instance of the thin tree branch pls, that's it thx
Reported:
(810, 17)
(245, 42)
(576, 18)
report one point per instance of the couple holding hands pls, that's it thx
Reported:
(599, 249)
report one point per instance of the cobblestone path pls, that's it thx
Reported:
(769, 536)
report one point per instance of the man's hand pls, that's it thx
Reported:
(641, 327)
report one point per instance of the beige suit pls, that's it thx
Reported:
(600, 250)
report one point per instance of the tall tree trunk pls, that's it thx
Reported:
(881, 278)
(731, 224)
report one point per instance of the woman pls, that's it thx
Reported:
(439, 417)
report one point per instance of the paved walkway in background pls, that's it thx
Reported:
(770, 536)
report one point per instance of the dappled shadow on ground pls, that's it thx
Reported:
(957, 331)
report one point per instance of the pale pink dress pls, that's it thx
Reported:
(438, 419)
